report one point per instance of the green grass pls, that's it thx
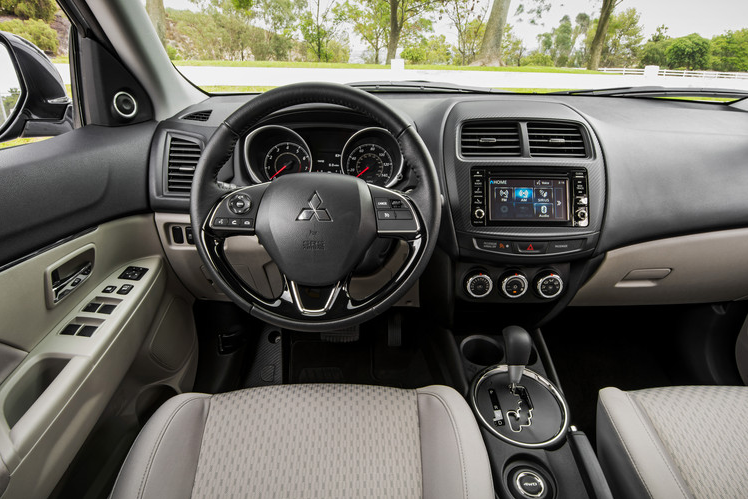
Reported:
(238, 89)
(20, 142)
(340, 65)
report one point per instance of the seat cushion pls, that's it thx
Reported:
(313, 441)
(685, 441)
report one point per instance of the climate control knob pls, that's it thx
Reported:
(478, 285)
(513, 284)
(548, 284)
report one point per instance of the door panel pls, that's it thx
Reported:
(75, 355)
(66, 184)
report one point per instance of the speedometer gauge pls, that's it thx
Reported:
(286, 157)
(373, 155)
(371, 163)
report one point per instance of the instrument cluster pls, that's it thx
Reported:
(371, 154)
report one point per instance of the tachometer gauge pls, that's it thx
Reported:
(373, 155)
(371, 163)
(286, 157)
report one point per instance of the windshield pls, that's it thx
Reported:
(516, 45)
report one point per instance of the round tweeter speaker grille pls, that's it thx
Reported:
(125, 105)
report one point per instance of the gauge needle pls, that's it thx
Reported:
(284, 167)
(364, 171)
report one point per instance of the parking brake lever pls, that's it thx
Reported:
(518, 344)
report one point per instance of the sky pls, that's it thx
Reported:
(682, 17)
(8, 77)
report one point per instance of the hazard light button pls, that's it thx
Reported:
(530, 248)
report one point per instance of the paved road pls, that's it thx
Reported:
(203, 75)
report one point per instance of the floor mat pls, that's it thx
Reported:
(595, 348)
(367, 361)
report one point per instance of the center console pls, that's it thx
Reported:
(525, 421)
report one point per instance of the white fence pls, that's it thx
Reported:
(682, 73)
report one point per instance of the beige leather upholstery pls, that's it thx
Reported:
(310, 441)
(675, 442)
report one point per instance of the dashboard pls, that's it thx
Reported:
(540, 192)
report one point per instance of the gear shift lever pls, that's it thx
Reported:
(517, 343)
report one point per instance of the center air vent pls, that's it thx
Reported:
(198, 116)
(490, 138)
(558, 140)
(182, 160)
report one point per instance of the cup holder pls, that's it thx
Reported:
(482, 350)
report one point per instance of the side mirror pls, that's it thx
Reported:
(33, 101)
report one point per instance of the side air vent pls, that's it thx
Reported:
(198, 116)
(182, 160)
(490, 138)
(558, 140)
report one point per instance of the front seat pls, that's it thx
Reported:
(675, 442)
(310, 441)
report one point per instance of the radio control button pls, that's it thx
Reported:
(530, 248)
(479, 213)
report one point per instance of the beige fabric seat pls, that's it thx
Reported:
(310, 441)
(676, 442)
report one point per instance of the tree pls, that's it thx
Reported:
(598, 42)
(690, 52)
(490, 50)
(275, 40)
(371, 21)
(581, 27)
(404, 13)
(654, 52)
(36, 31)
(468, 18)
(157, 14)
(320, 28)
(730, 51)
(512, 48)
(30, 9)
(624, 40)
(432, 50)
(562, 42)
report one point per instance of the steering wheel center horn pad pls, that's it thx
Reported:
(316, 227)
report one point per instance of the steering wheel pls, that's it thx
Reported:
(316, 228)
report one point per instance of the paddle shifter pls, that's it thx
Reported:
(518, 345)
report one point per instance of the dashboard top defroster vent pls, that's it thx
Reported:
(556, 139)
(198, 115)
(490, 139)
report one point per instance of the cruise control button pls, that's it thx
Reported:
(386, 215)
(565, 246)
(403, 215)
(382, 203)
(530, 248)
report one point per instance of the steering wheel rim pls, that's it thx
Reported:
(208, 198)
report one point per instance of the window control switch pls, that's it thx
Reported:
(87, 331)
(107, 309)
(92, 307)
(70, 329)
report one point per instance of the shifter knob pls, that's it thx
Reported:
(517, 343)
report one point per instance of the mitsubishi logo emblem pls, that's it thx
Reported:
(315, 210)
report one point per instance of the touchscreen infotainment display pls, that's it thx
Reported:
(528, 200)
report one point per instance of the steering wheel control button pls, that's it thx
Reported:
(124, 289)
(109, 289)
(240, 204)
(479, 285)
(493, 245)
(382, 203)
(133, 273)
(530, 484)
(386, 215)
(513, 285)
(221, 222)
(548, 285)
(530, 248)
